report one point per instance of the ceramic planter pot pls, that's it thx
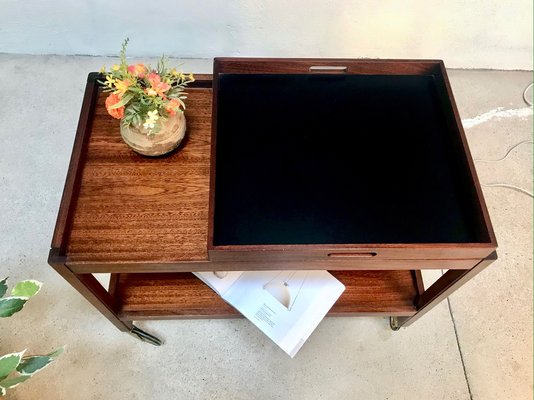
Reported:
(168, 135)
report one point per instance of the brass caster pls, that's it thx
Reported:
(144, 336)
(394, 323)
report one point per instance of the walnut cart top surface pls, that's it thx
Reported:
(413, 168)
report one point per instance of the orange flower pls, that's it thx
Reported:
(154, 79)
(138, 70)
(158, 87)
(172, 107)
(111, 100)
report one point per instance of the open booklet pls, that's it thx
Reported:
(285, 305)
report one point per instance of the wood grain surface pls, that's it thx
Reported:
(182, 295)
(127, 213)
(229, 65)
(131, 208)
(123, 212)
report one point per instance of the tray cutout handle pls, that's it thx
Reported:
(329, 69)
(367, 254)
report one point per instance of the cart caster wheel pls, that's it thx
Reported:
(394, 323)
(144, 336)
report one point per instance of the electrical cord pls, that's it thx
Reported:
(525, 95)
(507, 153)
(507, 185)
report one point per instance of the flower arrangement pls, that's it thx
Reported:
(142, 96)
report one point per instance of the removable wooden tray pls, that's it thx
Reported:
(336, 159)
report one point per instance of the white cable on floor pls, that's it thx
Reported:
(507, 153)
(508, 186)
(525, 95)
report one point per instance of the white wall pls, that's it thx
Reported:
(466, 34)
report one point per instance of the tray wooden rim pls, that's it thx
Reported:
(355, 66)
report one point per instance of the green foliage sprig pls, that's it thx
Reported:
(16, 368)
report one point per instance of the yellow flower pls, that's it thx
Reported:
(174, 72)
(191, 77)
(103, 69)
(151, 92)
(122, 86)
(109, 81)
(115, 67)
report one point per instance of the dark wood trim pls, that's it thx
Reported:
(202, 81)
(92, 290)
(273, 264)
(76, 165)
(483, 214)
(419, 282)
(444, 287)
(211, 206)
(324, 251)
(112, 287)
(227, 65)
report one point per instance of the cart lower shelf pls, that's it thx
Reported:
(181, 295)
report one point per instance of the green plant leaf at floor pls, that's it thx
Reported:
(9, 363)
(3, 287)
(12, 382)
(26, 289)
(31, 365)
(56, 353)
(10, 305)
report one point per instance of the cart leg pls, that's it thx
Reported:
(145, 336)
(94, 292)
(443, 288)
(103, 301)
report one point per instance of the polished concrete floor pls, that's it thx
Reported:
(477, 345)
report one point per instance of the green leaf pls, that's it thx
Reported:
(12, 382)
(26, 289)
(3, 287)
(56, 353)
(124, 100)
(9, 362)
(31, 365)
(11, 305)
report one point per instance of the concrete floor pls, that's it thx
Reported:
(476, 346)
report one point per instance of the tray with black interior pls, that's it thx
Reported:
(341, 159)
